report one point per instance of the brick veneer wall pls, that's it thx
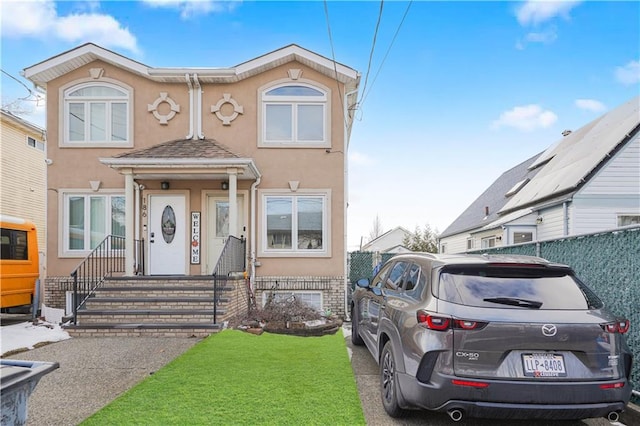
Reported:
(55, 289)
(332, 288)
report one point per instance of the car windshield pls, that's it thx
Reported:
(515, 287)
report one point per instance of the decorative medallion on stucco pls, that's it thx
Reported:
(294, 73)
(227, 119)
(163, 118)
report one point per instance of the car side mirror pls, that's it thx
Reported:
(363, 282)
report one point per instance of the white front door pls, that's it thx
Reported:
(218, 226)
(167, 235)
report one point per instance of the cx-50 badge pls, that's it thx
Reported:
(549, 330)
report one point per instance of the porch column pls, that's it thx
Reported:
(233, 201)
(129, 199)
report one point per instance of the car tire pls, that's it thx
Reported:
(356, 339)
(389, 382)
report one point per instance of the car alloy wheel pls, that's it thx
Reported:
(388, 385)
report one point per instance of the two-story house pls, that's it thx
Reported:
(588, 181)
(178, 160)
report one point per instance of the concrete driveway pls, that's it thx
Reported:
(367, 376)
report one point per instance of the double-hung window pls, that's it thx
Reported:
(96, 114)
(295, 224)
(89, 218)
(294, 115)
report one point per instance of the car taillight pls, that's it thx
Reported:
(438, 323)
(617, 385)
(619, 326)
(470, 383)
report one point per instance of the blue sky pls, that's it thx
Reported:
(452, 94)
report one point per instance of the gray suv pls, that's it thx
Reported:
(491, 336)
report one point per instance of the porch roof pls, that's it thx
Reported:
(183, 159)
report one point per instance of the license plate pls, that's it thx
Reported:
(543, 365)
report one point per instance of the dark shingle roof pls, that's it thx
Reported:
(183, 148)
(493, 198)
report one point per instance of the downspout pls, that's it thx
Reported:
(190, 135)
(252, 237)
(565, 219)
(198, 107)
(345, 107)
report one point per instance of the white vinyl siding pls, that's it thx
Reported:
(552, 225)
(23, 175)
(456, 243)
(621, 175)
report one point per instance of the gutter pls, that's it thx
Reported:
(190, 135)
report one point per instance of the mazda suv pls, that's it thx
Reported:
(494, 336)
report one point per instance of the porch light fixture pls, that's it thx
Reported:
(164, 185)
(224, 185)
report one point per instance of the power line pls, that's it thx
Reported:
(406, 12)
(31, 92)
(373, 45)
(335, 68)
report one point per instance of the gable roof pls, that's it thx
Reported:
(568, 164)
(56, 66)
(492, 199)
(380, 238)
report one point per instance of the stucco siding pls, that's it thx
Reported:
(23, 176)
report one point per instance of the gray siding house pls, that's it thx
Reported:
(589, 181)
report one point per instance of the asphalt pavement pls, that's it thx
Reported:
(94, 371)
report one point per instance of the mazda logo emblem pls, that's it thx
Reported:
(549, 330)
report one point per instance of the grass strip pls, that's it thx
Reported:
(237, 378)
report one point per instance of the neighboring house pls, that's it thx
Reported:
(23, 172)
(182, 158)
(588, 181)
(389, 242)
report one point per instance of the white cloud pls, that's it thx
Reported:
(534, 12)
(526, 117)
(39, 19)
(590, 105)
(190, 8)
(547, 36)
(629, 74)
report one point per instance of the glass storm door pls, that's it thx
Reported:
(167, 233)
(218, 227)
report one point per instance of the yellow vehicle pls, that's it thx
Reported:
(19, 262)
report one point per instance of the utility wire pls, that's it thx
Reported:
(406, 12)
(335, 67)
(373, 46)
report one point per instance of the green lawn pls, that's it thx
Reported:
(237, 378)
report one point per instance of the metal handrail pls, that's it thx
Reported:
(231, 260)
(108, 257)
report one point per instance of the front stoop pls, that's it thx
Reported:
(152, 307)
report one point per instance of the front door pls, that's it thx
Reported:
(218, 227)
(167, 233)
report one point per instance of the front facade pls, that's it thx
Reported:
(587, 182)
(391, 241)
(23, 172)
(180, 159)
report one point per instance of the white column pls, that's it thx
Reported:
(233, 201)
(129, 215)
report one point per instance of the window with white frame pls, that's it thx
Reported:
(96, 114)
(470, 243)
(294, 114)
(33, 143)
(488, 242)
(628, 219)
(295, 223)
(311, 298)
(89, 218)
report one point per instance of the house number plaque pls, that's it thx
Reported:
(195, 238)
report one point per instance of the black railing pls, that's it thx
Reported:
(232, 260)
(108, 257)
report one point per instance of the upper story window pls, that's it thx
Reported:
(96, 114)
(295, 115)
(35, 143)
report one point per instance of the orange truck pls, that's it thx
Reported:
(19, 262)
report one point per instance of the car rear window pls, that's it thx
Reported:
(515, 288)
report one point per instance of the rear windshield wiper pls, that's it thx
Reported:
(514, 301)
